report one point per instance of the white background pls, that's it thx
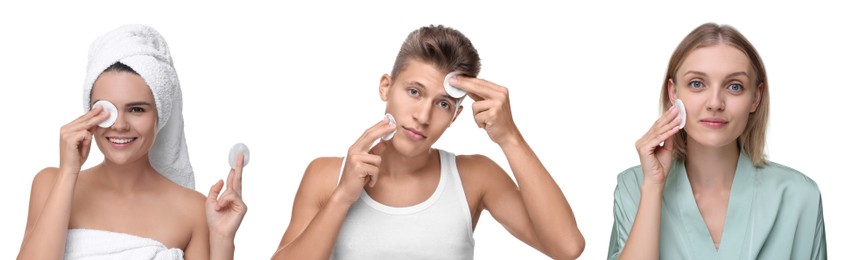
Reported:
(295, 82)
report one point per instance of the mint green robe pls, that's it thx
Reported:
(774, 212)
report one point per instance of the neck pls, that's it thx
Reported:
(711, 167)
(126, 177)
(396, 164)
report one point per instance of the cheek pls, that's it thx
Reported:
(146, 125)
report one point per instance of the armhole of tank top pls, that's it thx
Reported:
(341, 171)
(457, 178)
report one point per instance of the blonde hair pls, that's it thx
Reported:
(751, 141)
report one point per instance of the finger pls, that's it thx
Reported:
(372, 134)
(664, 137)
(214, 190)
(226, 199)
(674, 122)
(667, 117)
(86, 145)
(89, 123)
(484, 105)
(237, 183)
(480, 88)
(379, 148)
(89, 114)
(483, 119)
(369, 159)
(229, 181)
(371, 175)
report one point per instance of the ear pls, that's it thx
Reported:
(384, 86)
(673, 94)
(756, 100)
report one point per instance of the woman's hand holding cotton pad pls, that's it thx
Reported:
(681, 113)
(108, 108)
(238, 149)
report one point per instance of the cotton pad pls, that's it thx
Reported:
(108, 107)
(451, 90)
(237, 149)
(681, 113)
(392, 122)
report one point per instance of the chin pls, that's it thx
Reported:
(714, 140)
(408, 149)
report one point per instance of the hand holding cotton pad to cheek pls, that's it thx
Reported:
(391, 121)
(681, 113)
(108, 108)
(238, 149)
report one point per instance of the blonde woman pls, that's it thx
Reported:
(708, 192)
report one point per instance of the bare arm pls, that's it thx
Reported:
(321, 204)
(644, 239)
(225, 212)
(550, 215)
(49, 214)
(317, 214)
(198, 247)
(53, 190)
(549, 211)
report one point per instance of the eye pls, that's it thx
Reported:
(444, 105)
(695, 84)
(136, 110)
(414, 92)
(736, 87)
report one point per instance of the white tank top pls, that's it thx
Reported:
(438, 228)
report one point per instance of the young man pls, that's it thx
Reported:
(403, 199)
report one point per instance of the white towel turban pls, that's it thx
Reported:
(145, 51)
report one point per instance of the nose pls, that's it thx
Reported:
(716, 101)
(423, 113)
(121, 123)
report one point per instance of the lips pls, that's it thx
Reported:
(414, 134)
(121, 140)
(714, 122)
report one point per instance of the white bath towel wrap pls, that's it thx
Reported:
(145, 51)
(90, 244)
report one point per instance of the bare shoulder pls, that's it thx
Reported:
(477, 165)
(42, 184)
(480, 174)
(321, 177)
(189, 203)
(45, 177)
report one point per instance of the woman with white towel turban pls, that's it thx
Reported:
(140, 202)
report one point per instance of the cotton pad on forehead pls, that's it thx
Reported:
(451, 90)
(108, 107)
(238, 149)
(390, 121)
(681, 113)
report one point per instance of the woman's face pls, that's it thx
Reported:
(718, 87)
(132, 135)
(421, 107)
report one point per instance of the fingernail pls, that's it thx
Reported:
(453, 80)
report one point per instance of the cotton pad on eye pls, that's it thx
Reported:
(393, 122)
(237, 149)
(681, 113)
(451, 90)
(108, 107)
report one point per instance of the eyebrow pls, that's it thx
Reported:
(138, 103)
(731, 75)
